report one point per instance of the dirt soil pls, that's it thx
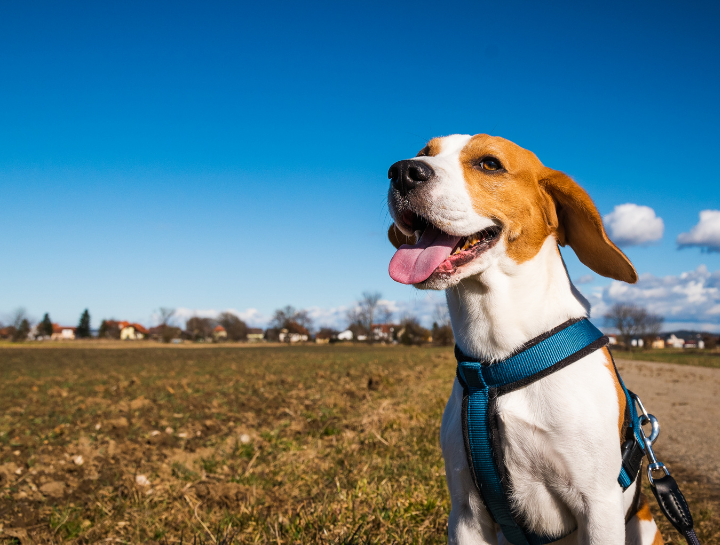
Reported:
(685, 401)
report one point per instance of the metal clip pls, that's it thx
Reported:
(654, 464)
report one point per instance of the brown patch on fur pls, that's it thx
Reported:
(622, 402)
(658, 540)
(533, 202)
(511, 195)
(398, 238)
(643, 509)
(431, 149)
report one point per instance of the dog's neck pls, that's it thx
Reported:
(496, 312)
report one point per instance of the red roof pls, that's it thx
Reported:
(60, 328)
(219, 328)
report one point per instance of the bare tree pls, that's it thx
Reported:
(633, 321)
(199, 328)
(235, 328)
(412, 332)
(292, 319)
(18, 315)
(368, 311)
(383, 314)
(165, 314)
(442, 332)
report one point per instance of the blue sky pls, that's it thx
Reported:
(208, 156)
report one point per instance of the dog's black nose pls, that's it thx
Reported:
(407, 175)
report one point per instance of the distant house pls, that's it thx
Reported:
(131, 331)
(637, 342)
(294, 333)
(323, 336)
(346, 335)
(384, 332)
(612, 339)
(62, 333)
(674, 342)
(219, 333)
(694, 343)
(255, 334)
(658, 343)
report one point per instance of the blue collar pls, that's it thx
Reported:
(534, 360)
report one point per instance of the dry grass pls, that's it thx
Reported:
(700, 358)
(281, 445)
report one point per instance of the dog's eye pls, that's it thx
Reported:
(490, 164)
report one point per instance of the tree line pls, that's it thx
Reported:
(363, 319)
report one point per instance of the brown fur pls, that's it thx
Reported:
(431, 149)
(512, 195)
(622, 402)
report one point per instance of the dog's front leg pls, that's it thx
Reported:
(469, 522)
(603, 520)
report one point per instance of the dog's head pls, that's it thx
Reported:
(465, 203)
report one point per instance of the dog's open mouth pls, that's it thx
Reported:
(437, 252)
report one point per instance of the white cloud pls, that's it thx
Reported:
(706, 234)
(633, 225)
(584, 279)
(692, 297)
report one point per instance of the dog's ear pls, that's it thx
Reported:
(397, 238)
(581, 227)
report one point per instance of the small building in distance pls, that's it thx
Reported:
(294, 333)
(385, 332)
(659, 342)
(674, 342)
(255, 334)
(62, 333)
(131, 331)
(219, 333)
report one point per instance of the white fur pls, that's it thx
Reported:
(559, 435)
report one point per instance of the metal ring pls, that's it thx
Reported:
(655, 431)
(656, 467)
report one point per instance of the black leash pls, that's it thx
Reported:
(665, 489)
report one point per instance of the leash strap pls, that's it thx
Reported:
(483, 383)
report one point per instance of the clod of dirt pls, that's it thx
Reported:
(121, 422)
(226, 494)
(20, 534)
(373, 384)
(140, 403)
(54, 489)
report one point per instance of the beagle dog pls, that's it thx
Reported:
(482, 218)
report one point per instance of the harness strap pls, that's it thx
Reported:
(483, 382)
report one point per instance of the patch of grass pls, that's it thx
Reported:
(700, 358)
(278, 444)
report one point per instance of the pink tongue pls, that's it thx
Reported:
(413, 264)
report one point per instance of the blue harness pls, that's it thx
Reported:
(484, 383)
